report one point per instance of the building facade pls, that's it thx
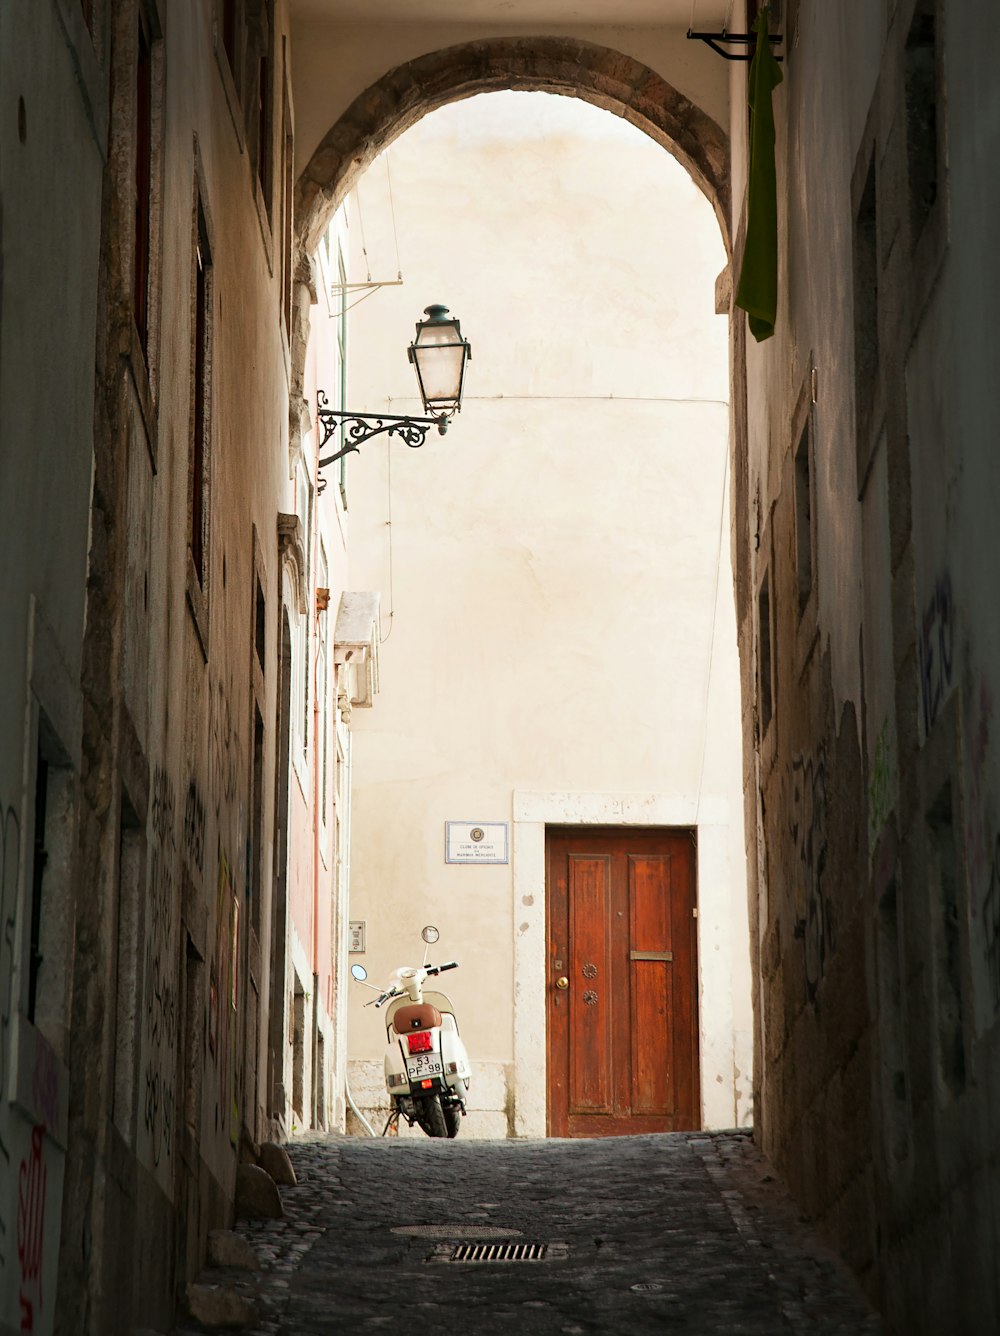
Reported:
(167, 987)
(561, 650)
(171, 951)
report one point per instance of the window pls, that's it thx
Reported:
(131, 885)
(142, 183)
(804, 509)
(232, 30)
(920, 79)
(48, 885)
(260, 624)
(39, 860)
(288, 192)
(256, 881)
(201, 399)
(764, 666)
(257, 95)
(264, 137)
(866, 346)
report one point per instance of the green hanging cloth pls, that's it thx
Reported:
(757, 293)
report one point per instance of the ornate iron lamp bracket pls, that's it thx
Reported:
(360, 427)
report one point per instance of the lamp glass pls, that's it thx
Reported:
(439, 354)
(439, 370)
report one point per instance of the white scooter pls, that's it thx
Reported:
(426, 1066)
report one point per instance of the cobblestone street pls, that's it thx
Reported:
(687, 1232)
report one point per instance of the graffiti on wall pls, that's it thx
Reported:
(881, 784)
(978, 833)
(814, 920)
(194, 829)
(982, 854)
(223, 749)
(160, 981)
(10, 854)
(936, 651)
(45, 1087)
(991, 928)
(227, 802)
(223, 996)
(31, 1182)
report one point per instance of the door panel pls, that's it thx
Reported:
(591, 1070)
(651, 982)
(623, 1035)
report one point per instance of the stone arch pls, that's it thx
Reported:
(597, 74)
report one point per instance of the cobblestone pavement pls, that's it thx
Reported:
(682, 1233)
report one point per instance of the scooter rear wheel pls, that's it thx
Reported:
(453, 1118)
(430, 1115)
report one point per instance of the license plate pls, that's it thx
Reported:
(422, 1065)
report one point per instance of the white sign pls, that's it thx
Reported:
(357, 936)
(475, 842)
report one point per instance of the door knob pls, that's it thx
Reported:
(562, 981)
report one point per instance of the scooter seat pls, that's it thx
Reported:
(416, 1016)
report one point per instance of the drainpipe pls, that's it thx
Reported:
(315, 616)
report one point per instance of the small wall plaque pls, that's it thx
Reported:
(476, 842)
(356, 936)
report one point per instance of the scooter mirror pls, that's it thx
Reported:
(430, 934)
(359, 972)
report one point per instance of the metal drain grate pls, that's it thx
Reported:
(489, 1251)
(499, 1252)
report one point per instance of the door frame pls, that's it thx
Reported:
(614, 847)
(711, 823)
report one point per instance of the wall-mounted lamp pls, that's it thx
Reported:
(439, 355)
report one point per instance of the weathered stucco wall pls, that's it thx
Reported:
(143, 673)
(560, 623)
(51, 146)
(871, 847)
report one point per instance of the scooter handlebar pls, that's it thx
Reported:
(439, 969)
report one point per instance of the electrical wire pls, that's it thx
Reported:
(361, 224)
(392, 210)
(388, 524)
(575, 398)
(363, 298)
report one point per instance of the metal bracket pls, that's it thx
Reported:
(743, 39)
(360, 427)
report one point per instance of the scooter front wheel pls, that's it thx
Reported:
(430, 1115)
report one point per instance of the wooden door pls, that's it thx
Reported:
(622, 982)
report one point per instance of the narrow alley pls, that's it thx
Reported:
(526, 471)
(685, 1232)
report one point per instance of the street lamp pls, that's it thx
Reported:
(438, 354)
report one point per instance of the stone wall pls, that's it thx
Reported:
(868, 641)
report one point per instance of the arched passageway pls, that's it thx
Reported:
(607, 78)
(601, 506)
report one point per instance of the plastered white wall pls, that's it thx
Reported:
(560, 622)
